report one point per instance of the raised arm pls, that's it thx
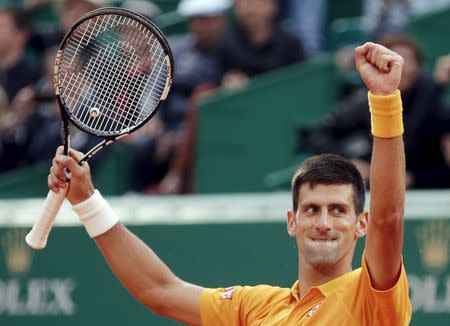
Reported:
(381, 70)
(139, 269)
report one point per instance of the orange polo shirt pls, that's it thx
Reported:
(348, 300)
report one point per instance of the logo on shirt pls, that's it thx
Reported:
(228, 294)
(313, 310)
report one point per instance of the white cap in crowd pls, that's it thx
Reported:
(191, 8)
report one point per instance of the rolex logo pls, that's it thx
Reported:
(434, 240)
(17, 254)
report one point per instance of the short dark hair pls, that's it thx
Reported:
(329, 169)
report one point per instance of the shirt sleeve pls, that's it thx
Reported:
(388, 307)
(235, 305)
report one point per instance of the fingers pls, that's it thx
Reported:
(57, 169)
(377, 55)
(67, 162)
(61, 163)
(360, 56)
(76, 155)
(54, 183)
(386, 62)
(361, 51)
(60, 150)
(57, 178)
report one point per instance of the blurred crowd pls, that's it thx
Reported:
(227, 43)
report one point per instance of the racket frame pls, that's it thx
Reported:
(66, 115)
(37, 237)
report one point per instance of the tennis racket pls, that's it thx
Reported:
(113, 70)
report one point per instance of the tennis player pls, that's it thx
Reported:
(326, 219)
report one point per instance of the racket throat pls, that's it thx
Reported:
(67, 145)
(66, 133)
(96, 149)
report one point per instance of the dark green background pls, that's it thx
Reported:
(210, 255)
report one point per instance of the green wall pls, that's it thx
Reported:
(244, 135)
(207, 254)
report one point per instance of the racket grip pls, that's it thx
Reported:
(37, 237)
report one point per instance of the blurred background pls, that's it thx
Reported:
(259, 86)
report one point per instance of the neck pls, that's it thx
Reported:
(207, 45)
(309, 276)
(260, 35)
(10, 58)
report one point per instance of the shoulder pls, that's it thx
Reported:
(394, 302)
(247, 297)
(233, 36)
(286, 36)
(229, 306)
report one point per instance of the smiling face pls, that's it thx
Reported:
(326, 225)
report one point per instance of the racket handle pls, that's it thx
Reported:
(37, 237)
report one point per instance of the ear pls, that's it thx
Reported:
(291, 224)
(361, 226)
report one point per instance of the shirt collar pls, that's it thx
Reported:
(294, 292)
(328, 288)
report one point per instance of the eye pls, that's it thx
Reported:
(338, 210)
(311, 209)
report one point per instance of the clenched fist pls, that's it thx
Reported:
(379, 68)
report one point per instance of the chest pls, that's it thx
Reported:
(329, 311)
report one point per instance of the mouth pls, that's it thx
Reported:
(323, 239)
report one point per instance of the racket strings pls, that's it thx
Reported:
(158, 84)
(115, 86)
(116, 65)
(132, 82)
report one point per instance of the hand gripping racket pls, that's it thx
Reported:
(113, 70)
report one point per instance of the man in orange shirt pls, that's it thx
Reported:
(326, 220)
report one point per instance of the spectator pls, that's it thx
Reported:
(67, 11)
(257, 44)
(307, 21)
(422, 103)
(15, 75)
(196, 61)
(15, 71)
(392, 16)
(442, 77)
(40, 125)
(70, 11)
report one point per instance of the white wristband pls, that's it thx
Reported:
(96, 215)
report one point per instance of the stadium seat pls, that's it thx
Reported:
(246, 134)
(172, 23)
(431, 31)
(112, 177)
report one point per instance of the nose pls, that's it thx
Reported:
(323, 222)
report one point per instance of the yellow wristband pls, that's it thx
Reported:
(386, 115)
